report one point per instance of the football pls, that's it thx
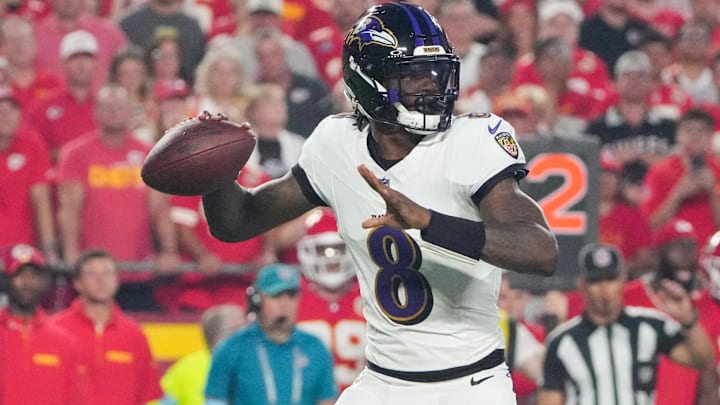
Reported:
(198, 155)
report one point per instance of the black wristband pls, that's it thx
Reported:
(457, 234)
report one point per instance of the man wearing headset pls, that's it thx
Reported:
(271, 362)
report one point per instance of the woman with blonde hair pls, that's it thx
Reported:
(219, 84)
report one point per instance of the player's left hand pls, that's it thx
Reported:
(401, 212)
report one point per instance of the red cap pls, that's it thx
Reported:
(673, 230)
(19, 255)
(166, 89)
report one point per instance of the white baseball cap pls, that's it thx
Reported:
(549, 9)
(78, 42)
(270, 6)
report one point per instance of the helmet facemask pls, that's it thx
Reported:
(324, 259)
(417, 93)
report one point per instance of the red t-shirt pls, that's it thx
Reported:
(340, 325)
(188, 211)
(662, 178)
(194, 290)
(115, 214)
(31, 10)
(25, 164)
(44, 85)
(625, 228)
(39, 363)
(667, 21)
(120, 368)
(310, 22)
(586, 65)
(61, 118)
(49, 34)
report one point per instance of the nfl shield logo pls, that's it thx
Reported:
(507, 142)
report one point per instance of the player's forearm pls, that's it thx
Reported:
(522, 246)
(225, 210)
(236, 214)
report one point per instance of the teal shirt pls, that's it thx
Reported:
(249, 369)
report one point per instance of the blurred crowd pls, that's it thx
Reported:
(87, 87)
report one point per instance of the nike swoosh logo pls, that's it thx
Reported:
(473, 381)
(494, 129)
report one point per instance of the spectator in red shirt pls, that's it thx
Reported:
(120, 368)
(25, 203)
(685, 184)
(104, 202)
(621, 223)
(30, 83)
(69, 16)
(657, 14)
(68, 113)
(561, 19)
(575, 103)
(666, 100)
(32, 10)
(39, 362)
(494, 78)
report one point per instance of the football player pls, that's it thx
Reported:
(330, 302)
(428, 205)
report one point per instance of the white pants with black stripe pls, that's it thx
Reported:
(491, 386)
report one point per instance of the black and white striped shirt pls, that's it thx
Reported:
(609, 365)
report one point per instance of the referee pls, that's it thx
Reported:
(609, 354)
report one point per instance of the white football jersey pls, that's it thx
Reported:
(428, 308)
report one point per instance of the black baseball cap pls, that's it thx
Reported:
(600, 262)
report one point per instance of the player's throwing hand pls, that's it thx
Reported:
(401, 212)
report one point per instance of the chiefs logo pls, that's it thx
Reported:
(507, 142)
(371, 31)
